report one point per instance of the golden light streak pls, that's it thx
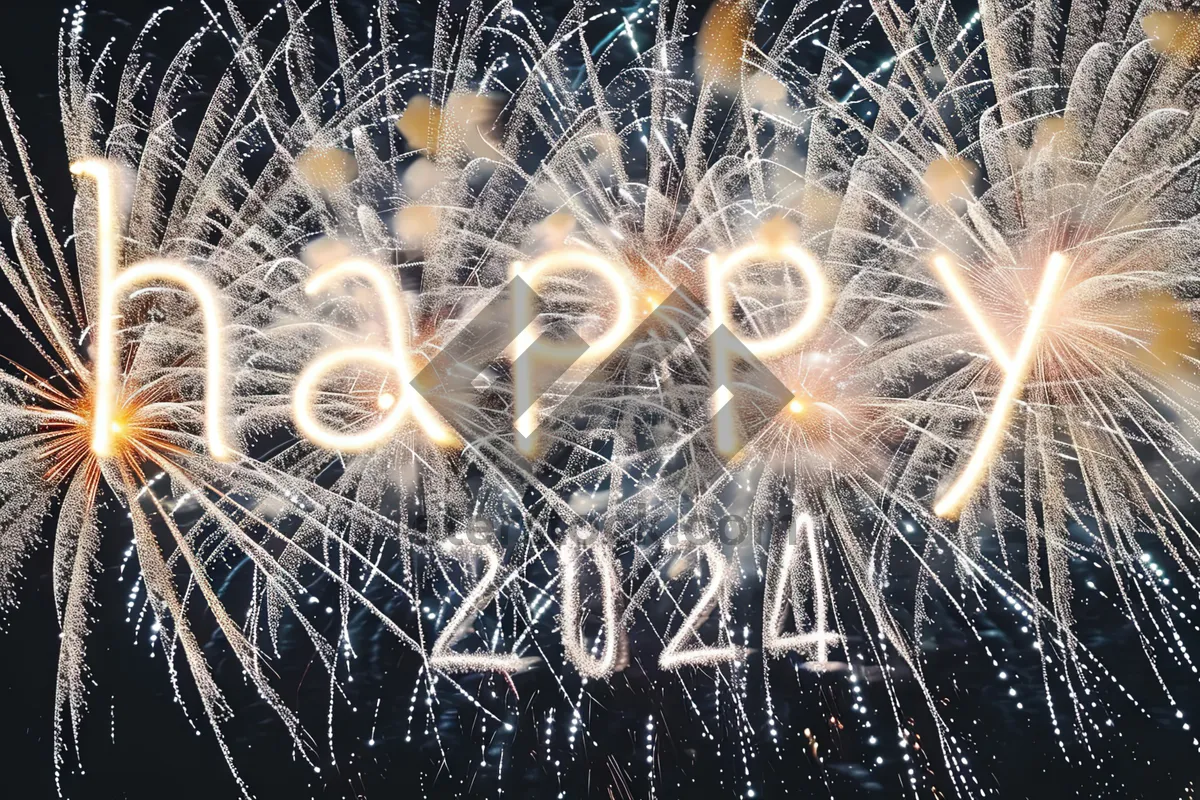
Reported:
(960, 491)
(959, 293)
(111, 286)
(394, 359)
(622, 285)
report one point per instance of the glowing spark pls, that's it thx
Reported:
(960, 491)
(394, 360)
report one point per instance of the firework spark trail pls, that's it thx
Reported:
(885, 391)
(694, 202)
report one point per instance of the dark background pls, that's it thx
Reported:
(138, 743)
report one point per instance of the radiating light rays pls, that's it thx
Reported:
(395, 359)
(959, 492)
(831, 434)
(1091, 460)
(133, 439)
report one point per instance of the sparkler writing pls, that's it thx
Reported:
(520, 306)
(106, 423)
